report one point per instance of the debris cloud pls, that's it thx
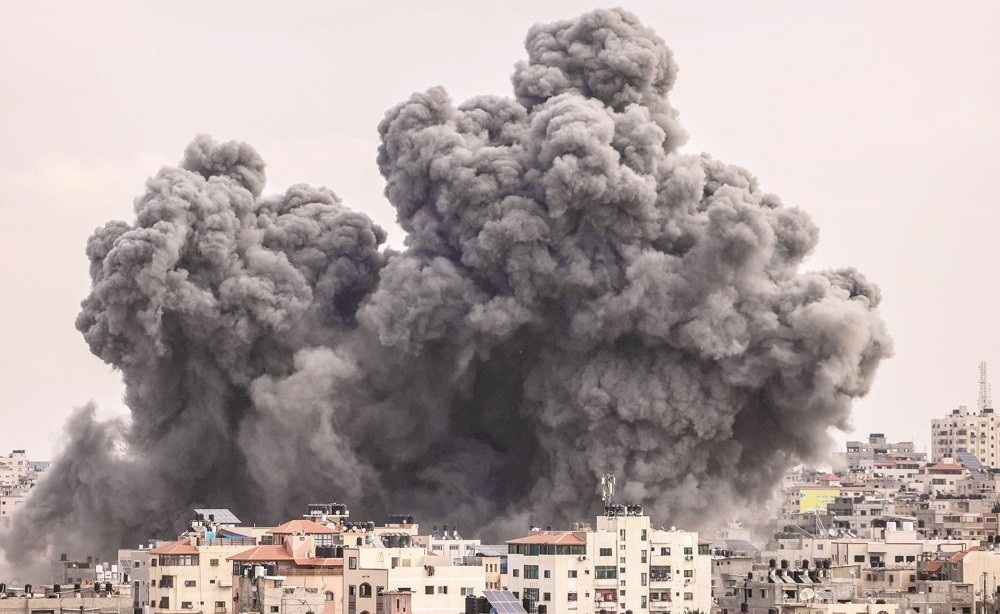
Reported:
(575, 297)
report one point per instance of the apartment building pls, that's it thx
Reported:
(966, 431)
(862, 455)
(622, 564)
(301, 570)
(435, 583)
(191, 573)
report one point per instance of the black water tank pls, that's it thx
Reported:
(27, 589)
(56, 589)
(107, 587)
(483, 605)
(744, 608)
(543, 609)
(76, 587)
(471, 606)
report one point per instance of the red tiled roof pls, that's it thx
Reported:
(551, 538)
(958, 556)
(933, 567)
(946, 467)
(307, 527)
(263, 553)
(181, 546)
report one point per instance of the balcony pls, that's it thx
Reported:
(606, 583)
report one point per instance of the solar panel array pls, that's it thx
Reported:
(504, 602)
(221, 515)
(972, 463)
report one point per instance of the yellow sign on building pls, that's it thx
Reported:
(816, 499)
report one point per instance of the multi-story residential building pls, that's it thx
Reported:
(190, 573)
(300, 571)
(435, 582)
(855, 513)
(861, 456)
(493, 558)
(13, 467)
(966, 431)
(622, 564)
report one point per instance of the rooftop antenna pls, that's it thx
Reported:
(985, 402)
(608, 489)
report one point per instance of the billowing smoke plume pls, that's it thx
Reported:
(575, 297)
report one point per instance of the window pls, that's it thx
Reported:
(642, 579)
(688, 573)
(642, 603)
(688, 596)
(688, 551)
(442, 590)
(352, 562)
(220, 604)
(531, 593)
(274, 608)
(428, 590)
(606, 552)
(659, 573)
(546, 574)
(546, 596)
(531, 572)
(859, 558)
(621, 560)
(642, 535)
(516, 572)
(213, 562)
(643, 556)
(605, 572)
(571, 573)
(570, 596)
(329, 595)
(189, 583)
(621, 535)
(365, 590)
(212, 581)
(665, 551)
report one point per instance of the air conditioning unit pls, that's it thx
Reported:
(688, 557)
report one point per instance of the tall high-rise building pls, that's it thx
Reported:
(963, 430)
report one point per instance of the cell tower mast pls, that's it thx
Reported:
(608, 489)
(985, 402)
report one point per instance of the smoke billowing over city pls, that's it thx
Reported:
(575, 297)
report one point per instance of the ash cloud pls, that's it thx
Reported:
(575, 297)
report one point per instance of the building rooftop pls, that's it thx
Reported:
(263, 553)
(302, 527)
(181, 546)
(551, 538)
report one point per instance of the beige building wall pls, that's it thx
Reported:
(437, 584)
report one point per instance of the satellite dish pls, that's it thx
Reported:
(832, 532)
(807, 593)
(910, 611)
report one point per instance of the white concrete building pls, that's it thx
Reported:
(622, 564)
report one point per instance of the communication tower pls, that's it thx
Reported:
(985, 402)
(608, 489)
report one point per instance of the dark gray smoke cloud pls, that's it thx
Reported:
(575, 297)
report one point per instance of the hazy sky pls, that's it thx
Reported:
(882, 120)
